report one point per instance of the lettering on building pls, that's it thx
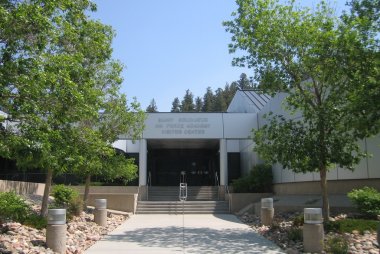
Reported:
(183, 126)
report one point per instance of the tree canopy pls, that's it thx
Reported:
(55, 64)
(313, 56)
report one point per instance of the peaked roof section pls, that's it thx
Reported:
(248, 101)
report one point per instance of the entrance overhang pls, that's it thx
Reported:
(183, 143)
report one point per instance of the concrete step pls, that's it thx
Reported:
(171, 193)
(186, 207)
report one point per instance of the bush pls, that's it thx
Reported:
(295, 234)
(349, 225)
(259, 180)
(367, 201)
(337, 245)
(36, 221)
(13, 207)
(75, 206)
(65, 197)
(298, 220)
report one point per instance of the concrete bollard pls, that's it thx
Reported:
(100, 212)
(56, 230)
(313, 232)
(267, 211)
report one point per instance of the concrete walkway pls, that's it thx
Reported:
(200, 234)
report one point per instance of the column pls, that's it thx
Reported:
(143, 162)
(223, 162)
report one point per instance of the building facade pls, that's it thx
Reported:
(215, 148)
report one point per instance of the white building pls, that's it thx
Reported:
(215, 148)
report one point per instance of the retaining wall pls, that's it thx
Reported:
(22, 187)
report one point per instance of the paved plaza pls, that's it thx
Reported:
(208, 233)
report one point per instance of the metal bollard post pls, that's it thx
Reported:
(56, 230)
(313, 232)
(100, 212)
(267, 211)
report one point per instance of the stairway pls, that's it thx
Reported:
(179, 207)
(165, 200)
(171, 193)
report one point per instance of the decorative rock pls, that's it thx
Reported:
(16, 238)
(283, 223)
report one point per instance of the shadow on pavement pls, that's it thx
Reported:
(198, 240)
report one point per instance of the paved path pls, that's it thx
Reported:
(200, 234)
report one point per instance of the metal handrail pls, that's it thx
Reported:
(149, 183)
(228, 196)
(182, 177)
(182, 191)
(149, 178)
(216, 179)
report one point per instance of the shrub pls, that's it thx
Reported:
(259, 180)
(13, 207)
(241, 184)
(349, 225)
(298, 220)
(337, 245)
(75, 206)
(367, 200)
(63, 195)
(36, 221)
(295, 234)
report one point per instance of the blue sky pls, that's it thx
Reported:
(169, 46)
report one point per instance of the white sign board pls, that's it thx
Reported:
(183, 126)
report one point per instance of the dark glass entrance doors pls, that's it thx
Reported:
(199, 166)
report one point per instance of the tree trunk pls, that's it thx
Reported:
(325, 198)
(86, 190)
(45, 199)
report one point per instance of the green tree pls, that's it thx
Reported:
(360, 52)
(50, 55)
(244, 83)
(208, 100)
(152, 107)
(187, 104)
(230, 91)
(219, 101)
(97, 157)
(176, 105)
(198, 104)
(297, 51)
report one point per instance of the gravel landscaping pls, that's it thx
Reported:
(81, 233)
(289, 237)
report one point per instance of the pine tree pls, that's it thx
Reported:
(152, 108)
(176, 105)
(220, 102)
(244, 82)
(198, 104)
(188, 102)
(229, 92)
(208, 100)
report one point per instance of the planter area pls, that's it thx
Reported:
(286, 232)
(81, 233)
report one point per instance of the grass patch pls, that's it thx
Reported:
(349, 225)
(337, 245)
